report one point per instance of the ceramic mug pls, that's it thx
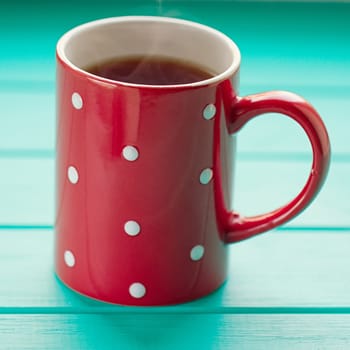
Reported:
(144, 171)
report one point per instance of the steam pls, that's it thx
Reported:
(160, 7)
(167, 13)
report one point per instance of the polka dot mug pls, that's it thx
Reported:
(144, 171)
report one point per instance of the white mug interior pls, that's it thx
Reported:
(120, 37)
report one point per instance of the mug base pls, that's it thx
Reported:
(94, 301)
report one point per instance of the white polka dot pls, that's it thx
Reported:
(137, 290)
(77, 101)
(205, 176)
(69, 258)
(209, 111)
(130, 153)
(197, 252)
(73, 175)
(132, 228)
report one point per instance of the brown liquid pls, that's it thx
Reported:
(151, 70)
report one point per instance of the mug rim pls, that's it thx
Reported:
(226, 74)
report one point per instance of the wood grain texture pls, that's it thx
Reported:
(271, 273)
(27, 120)
(27, 191)
(174, 331)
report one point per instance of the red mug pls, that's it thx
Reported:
(143, 171)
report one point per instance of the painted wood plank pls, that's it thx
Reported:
(262, 186)
(27, 123)
(215, 332)
(27, 191)
(273, 133)
(297, 272)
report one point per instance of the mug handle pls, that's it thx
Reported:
(243, 109)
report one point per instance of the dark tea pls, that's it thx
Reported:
(150, 70)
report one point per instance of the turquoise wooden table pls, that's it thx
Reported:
(288, 289)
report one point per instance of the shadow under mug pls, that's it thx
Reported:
(144, 171)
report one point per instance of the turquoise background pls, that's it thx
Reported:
(288, 289)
